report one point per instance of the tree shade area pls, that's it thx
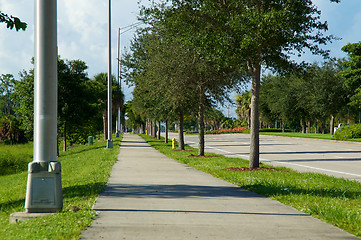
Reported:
(192, 54)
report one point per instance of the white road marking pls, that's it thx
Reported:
(286, 163)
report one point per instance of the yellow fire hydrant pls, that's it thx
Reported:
(173, 143)
(146, 132)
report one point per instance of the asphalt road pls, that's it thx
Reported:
(340, 159)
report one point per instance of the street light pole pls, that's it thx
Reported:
(44, 191)
(119, 79)
(109, 141)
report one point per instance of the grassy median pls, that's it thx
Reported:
(85, 172)
(334, 200)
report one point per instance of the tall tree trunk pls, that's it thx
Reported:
(154, 129)
(158, 137)
(303, 125)
(143, 128)
(147, 126)
(254, 144)
(180, 131)
(309, 127)
(105, 125)
(166, 131)
(201, 124)
(65, 140)
(316, 126)
(332, 124)
(151, 128)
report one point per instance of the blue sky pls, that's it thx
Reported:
(82, 31)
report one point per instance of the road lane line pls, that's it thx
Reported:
(286, 163)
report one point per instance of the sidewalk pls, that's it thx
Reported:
(150, 196)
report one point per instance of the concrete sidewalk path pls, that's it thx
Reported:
(150, 196)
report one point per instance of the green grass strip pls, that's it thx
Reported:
(334, 200)
(300, 135)
(85, 172)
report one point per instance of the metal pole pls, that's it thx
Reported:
(119, 77)
(118, 81)
(44, 193)
(110, 141)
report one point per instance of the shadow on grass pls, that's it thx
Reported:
(75, 151)
(11, 205)
(84, 190)
(272, 190)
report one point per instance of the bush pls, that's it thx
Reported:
(348, 132)
(10, 131)
(229, 130)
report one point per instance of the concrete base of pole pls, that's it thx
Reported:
(110, 144)
(24, 216)
(44, 190)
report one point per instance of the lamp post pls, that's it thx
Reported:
(110, 140)
(118, 125)
(44, 191)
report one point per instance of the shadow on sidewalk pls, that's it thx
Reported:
(201, 212)
(176, 191)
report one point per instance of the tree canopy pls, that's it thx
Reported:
(240, 38)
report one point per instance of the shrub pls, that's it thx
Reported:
(10, 131)
(348, 132)
(229, 130)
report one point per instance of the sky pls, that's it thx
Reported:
(82, 32)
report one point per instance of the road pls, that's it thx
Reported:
(339, 159)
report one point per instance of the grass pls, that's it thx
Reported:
(288, 134)
(15, 158)
(85, 172)
(334, 200)
(300, 135)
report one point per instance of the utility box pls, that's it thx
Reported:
(90, 140)
(44, 190)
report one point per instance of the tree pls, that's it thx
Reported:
(213, 118)
(352, 72)
(12, 22)
(265, 33)
(199, 66)
(243, 110)
(7, 83)
(98, 89)
(157, 70)
(24, 97)
(314, 94)
(10, 130)
(249, 35)
(76, 102)
(329, 98)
